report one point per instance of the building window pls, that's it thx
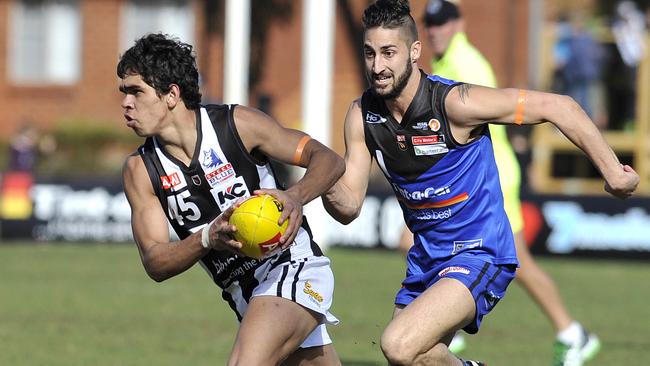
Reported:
(45, 42)
(173, 17)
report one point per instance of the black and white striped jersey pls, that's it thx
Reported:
(221, 172)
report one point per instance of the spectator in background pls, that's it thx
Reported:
(628, 28)
(578, 59)
(23, 149)
(456, 58)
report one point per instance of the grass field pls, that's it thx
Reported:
(94, 305)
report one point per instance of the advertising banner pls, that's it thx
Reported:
(97, 211)
(588, 225)
(76, 211)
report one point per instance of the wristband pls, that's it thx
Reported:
(205, 236)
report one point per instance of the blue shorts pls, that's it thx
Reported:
(487, 283)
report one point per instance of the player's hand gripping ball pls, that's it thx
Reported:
(258, 231)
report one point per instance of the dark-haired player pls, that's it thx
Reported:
(456, 58)
(195, 163)
(430, 138)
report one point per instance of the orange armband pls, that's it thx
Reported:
(519, 110)
(297, 156)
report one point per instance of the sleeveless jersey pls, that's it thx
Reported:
(221, 172)
(449, 192)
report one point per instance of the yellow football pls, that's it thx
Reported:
(257, 225)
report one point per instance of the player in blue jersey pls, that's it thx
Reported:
(429, 137)
(196, 162)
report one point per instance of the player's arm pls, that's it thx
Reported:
(161, 258)
(322, 165)
(469, 106)
(344, 200)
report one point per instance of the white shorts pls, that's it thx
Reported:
(308, 282)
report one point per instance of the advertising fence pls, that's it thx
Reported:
(90, 211)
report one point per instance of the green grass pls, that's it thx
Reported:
(94, 305)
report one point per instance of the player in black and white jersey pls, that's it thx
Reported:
(195, 164)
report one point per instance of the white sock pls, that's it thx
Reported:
(572, 334)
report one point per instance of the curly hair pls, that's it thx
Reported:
(391, 14)
(162, 61)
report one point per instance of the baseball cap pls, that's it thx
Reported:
(439, 12)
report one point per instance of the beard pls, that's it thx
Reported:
(397, 87)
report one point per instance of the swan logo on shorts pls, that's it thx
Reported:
(453, 269)
(312, 294)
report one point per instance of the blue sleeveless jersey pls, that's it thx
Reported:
(449, 192)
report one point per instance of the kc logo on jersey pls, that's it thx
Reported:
(374, 118)
(226, 194)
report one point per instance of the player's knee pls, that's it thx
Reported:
(396, 349)
(400, 350)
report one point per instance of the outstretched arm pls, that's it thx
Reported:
(344, 200)
(468, 106)
(323, 166)
(161, 258)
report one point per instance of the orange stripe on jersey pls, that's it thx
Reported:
(439, 204)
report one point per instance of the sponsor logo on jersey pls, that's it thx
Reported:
(170, 181)
(312, 294)
(226, 194)
(433, 215)
(221, 265)
(401, 142)
(460, 245)
(423, 194)
(439, 204)
(434, 125)
(420, 126)
(211, 159)
(428, 150)
(372, 117)
(222, 173)
(427, 140)
(196, 179)
(453, 269)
